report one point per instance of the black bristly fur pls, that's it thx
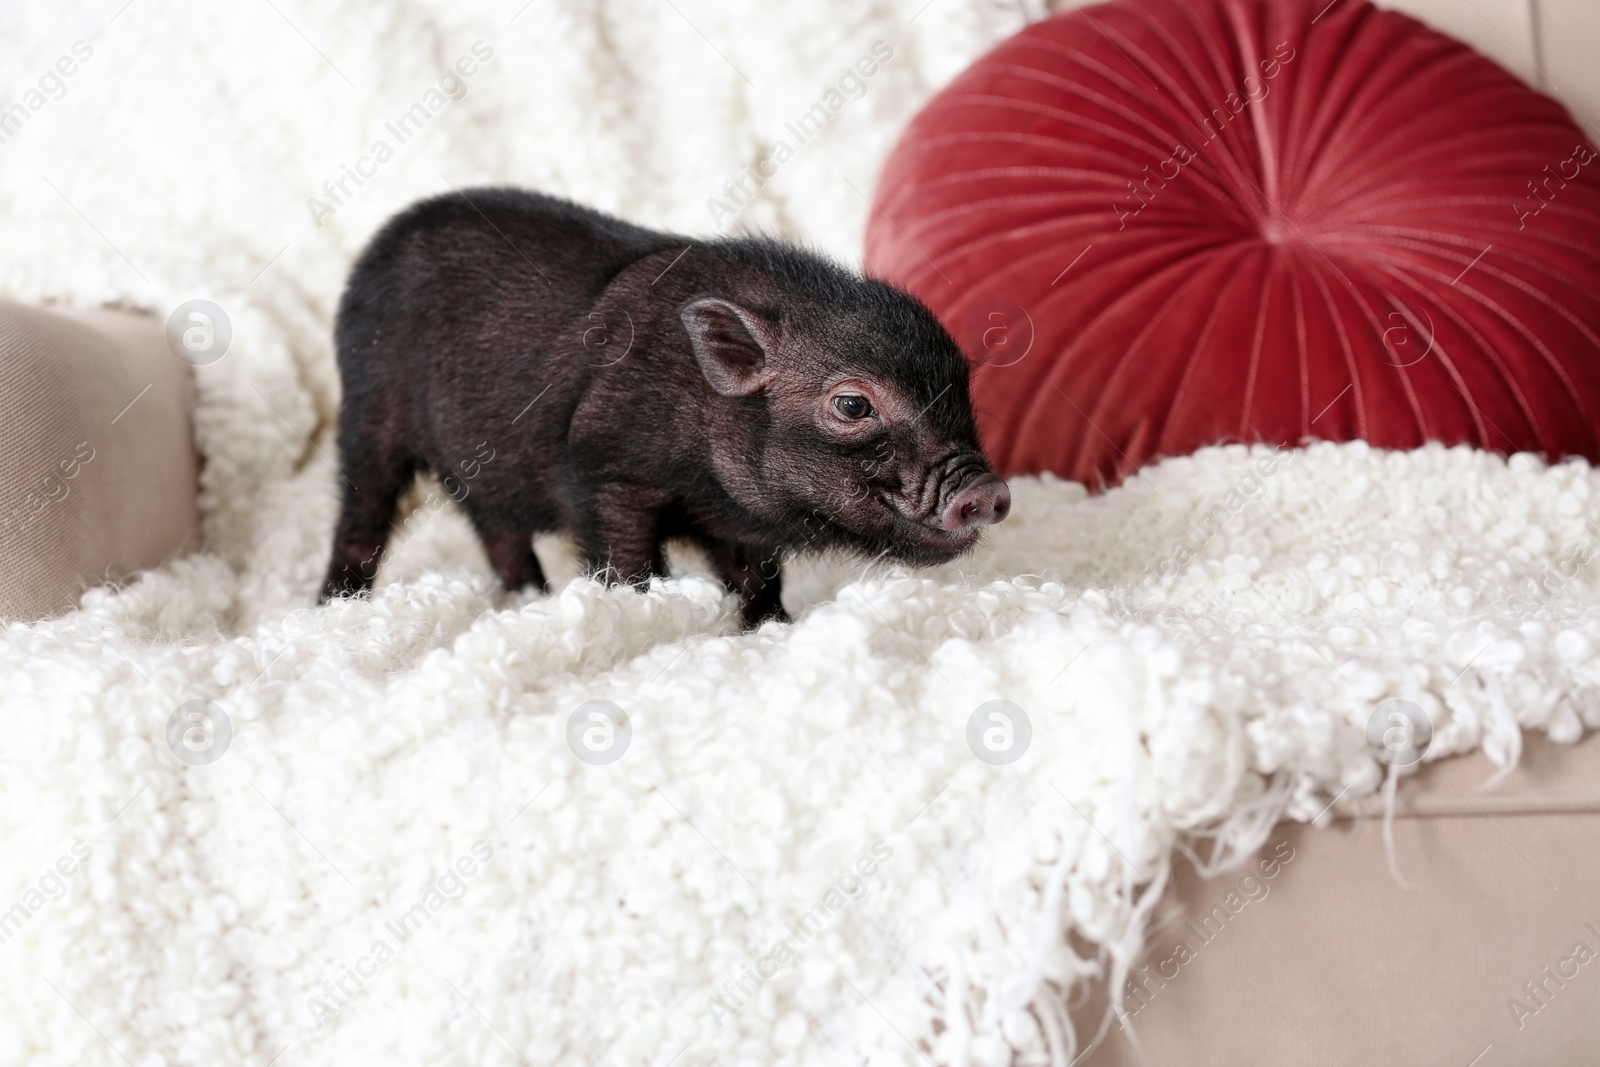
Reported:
(562, 370)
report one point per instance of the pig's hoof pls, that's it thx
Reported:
(754, 618)
(342, 582)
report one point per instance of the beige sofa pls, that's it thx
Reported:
(98, 474)
(1487, 954)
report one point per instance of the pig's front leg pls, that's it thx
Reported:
(618, 536)
(753, 573)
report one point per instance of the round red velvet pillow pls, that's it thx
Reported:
(1161, 224)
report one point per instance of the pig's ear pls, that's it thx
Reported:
(730, 344)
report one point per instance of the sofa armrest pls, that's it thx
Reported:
(1312, 953)
(98, 473)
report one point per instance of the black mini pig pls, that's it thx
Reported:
(564, 370)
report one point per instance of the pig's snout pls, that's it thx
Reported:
(983, 502)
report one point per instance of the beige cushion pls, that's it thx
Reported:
(1321, 957)
(98, 474)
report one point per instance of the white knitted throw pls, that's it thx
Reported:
(399, 856)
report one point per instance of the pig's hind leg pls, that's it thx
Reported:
(370, 484)
(511, 555)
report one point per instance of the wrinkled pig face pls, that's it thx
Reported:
(863, 435)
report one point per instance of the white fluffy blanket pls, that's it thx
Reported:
(798, 859)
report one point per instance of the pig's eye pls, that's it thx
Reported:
(852, 407)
